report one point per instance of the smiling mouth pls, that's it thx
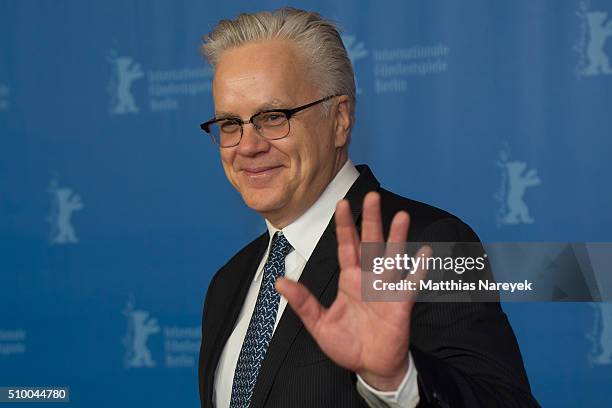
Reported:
(254, 171)
(260, 176)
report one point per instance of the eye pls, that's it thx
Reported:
(229, 126)
(272, 119)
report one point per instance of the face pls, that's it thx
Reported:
(282, 178)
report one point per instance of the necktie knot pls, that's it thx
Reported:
(280, 247)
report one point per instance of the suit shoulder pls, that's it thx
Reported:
(248, 250)
(245, 254)
(427, 223)
(392, 201)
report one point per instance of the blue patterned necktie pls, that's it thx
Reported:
(261, 326)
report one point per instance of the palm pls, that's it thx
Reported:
(370, 338)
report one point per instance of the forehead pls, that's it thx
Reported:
(263, 74)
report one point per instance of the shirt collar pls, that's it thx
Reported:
(304, 233)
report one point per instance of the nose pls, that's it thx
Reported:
(252, 143)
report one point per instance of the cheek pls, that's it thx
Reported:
(318, 148)
(227, 160)
(307, 150)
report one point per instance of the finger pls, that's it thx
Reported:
(303, 303)
(396, 244)
(424, 252)
(399, 227)
(371, 222)
(346, 233)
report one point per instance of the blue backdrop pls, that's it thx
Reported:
(115, 212)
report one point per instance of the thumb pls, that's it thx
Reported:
(303, 303)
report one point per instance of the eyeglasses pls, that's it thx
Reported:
(271, 124)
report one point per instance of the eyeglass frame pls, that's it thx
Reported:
(287, 112)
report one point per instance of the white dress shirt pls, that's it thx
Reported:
(303, 235)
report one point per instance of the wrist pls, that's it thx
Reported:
(387, 382)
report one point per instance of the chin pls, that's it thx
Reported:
(263, 201)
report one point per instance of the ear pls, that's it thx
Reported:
(342, 121)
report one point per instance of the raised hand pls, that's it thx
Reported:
(369, 338)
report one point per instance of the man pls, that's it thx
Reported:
(284, 96)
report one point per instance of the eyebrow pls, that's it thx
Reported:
(273, 104)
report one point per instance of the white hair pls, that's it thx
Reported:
(317, 40)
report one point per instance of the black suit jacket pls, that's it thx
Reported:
(465, 354)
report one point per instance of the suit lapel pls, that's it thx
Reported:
(320, 269)
(235, 300)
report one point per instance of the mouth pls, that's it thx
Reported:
(258, 170)
(261, 175)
